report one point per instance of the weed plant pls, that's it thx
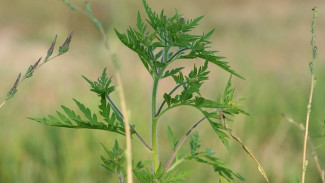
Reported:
(159, 42)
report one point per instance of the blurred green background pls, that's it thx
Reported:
(268, 42)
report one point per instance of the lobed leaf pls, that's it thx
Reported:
(71, 120)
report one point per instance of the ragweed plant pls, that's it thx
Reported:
(160, 41)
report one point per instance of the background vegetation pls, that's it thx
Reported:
(266, 42)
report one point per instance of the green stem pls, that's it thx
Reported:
(164, 102)
(154, 121)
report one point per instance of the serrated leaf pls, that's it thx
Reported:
(177, 177)
(194, 142)
(115, 160)
(191, 24)
(172, 139)
(218, 165)
(153, 17)
(172, 72)
(91, 121)
(102, 85)
(142, 28)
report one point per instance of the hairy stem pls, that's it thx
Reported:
(154, 121)
(180, 143)
(249, 152)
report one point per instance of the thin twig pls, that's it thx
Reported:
(120, 177)
(164, 102)
(235, 137)
(180, 143)
(312, 86)
(178, 52)
(313, 149)
(132, 128)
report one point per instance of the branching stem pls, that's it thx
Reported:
(164, 102)
(177, 53)
(180, 143)
(120, 177)
(249, 152)
(132, 128)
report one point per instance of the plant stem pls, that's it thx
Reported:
(3, 103)
(154, 121)
(132, 128)
(177, 53)
(120, 177)
(235, 137)
(304, 162)
(312, 86)
(313, 149)
(127, 130)
(180, 143)
(164, 102)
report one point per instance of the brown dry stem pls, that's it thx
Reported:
(249, 152)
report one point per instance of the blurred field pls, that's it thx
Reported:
(268, 42)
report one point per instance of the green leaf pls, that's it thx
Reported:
(195, 142)
(153, 17)
(218, 166)
(217, 127)
(86, 111)
(115, 160)
(141, 26)
(191, 24)
(172, 72)
(102, 85)
(172, 139)
(146, 176)
(177, 176)
(71, 120)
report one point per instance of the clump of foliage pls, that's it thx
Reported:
(159, 42)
